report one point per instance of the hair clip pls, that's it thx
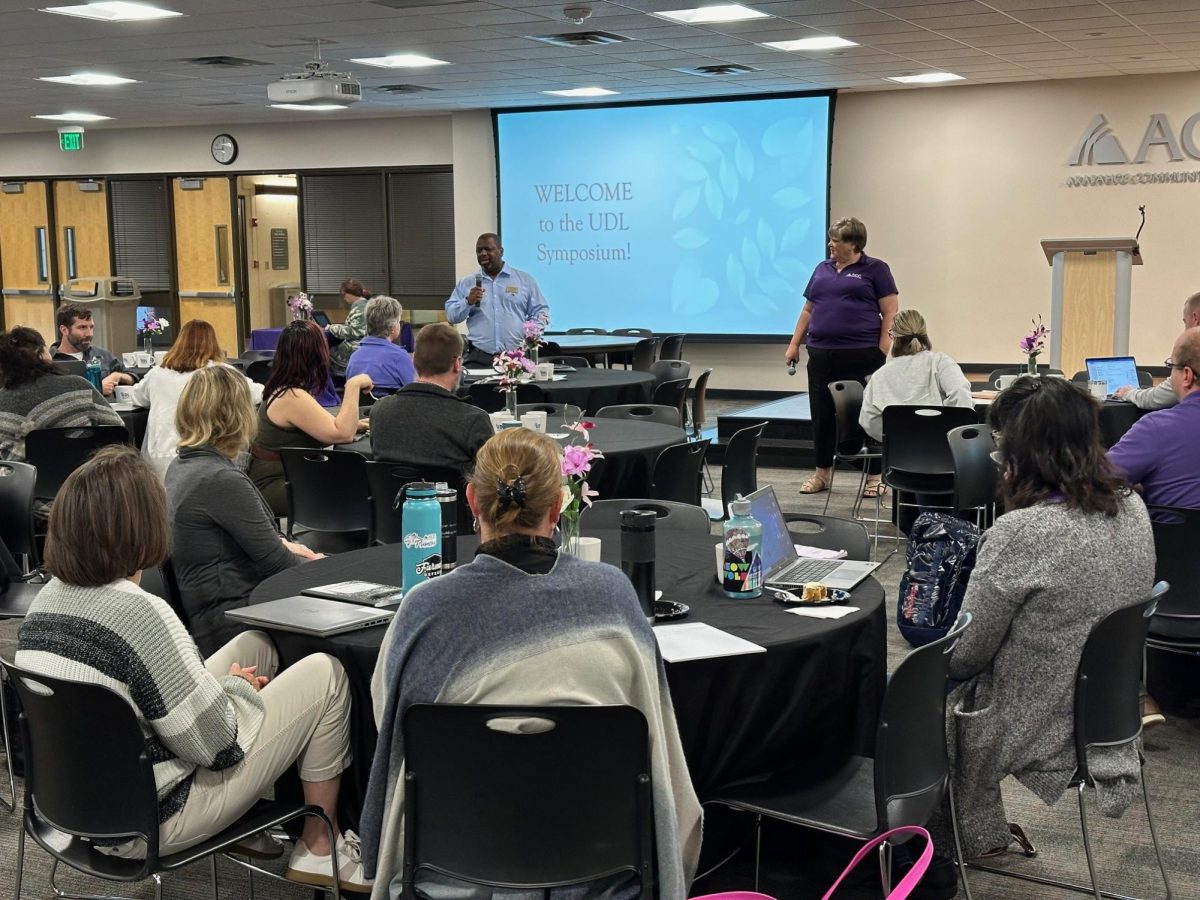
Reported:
(508, 494)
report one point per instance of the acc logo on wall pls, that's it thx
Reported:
(1100, 146)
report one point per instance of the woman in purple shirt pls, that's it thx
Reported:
(845, 324)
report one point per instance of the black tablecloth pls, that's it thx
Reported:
(591, 389)
(813, 697)
(135, 420)
(1116, 418)
(630, 448)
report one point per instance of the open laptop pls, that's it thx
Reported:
(780, 561)
(311, 615)
(1114, 371)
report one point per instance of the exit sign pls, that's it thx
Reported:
(71, 140)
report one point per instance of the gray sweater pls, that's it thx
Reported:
(49, 401)
(423, 424)
(224, 541)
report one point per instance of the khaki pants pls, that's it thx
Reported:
(307, 721)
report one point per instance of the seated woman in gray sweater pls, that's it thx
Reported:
(223, 532)
(220, 730)
(522, 624)
(1074, 546)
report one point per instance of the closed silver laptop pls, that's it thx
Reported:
(311, 615)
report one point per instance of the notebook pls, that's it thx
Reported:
(783, 566)
(365, 593)
(311, 615)
(1114, 371)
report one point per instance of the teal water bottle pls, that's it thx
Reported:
(421, 520)
(94, 374)
(742, 574)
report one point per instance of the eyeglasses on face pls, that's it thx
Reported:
(1171, 364)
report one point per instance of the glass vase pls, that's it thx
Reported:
(568, 530)
(148, 343)
(510, 401)
(1031, 366)
(534, 353)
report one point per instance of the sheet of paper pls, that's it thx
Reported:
(696, 640)
(818, 553)
(822, 612)
(481, 372)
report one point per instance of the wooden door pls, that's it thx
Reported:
(204, 235)
(81, 221)
(28, 270)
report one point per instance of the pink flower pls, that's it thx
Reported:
(576, 460)
(582, 426)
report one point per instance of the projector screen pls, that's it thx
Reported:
(704, 218)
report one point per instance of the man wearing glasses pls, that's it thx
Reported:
(1158, 452)
(1162, 395)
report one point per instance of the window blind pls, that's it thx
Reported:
(141, 232)
(344, 231)
(421, 233)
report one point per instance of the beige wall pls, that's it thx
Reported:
(957, 186)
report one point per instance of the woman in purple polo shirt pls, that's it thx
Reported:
(851, 300)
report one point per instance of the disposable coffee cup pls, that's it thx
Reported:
(545, 372)
(130, 360)
(1098, 389)
(535, 421)
(144, 360)
(588, 548)
(1004, 382)
(720, 553)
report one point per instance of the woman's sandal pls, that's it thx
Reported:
(878, 489)
(815, 485)
(1019, 837)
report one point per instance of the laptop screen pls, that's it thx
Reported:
(320, 317)
(1114, 371)
(777, 540)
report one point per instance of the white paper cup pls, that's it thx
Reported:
(1098, 389)
(535, 421)
(144, 360)
(545, 372)
(1004, 382)
(720, 550)
(130, 360)
(588, 548)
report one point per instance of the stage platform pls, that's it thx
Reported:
(787, 439)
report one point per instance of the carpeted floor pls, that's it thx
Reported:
(798, 866)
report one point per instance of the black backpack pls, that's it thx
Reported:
(941, 555)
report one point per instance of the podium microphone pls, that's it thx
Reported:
(1136, 248)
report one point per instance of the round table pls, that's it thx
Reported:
(591, 389)
(135, 419)
(630, 448)
(1116, 418)
(813, 698)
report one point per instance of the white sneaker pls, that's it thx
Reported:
(306, 867)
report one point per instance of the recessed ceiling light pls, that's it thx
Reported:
(88, 79)
(114, 11)
(401, 61)
(582, 92)
(72, 117)
(926, 78)
(309, 107)
(813, 43)
(703, 15)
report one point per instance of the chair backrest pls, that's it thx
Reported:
(1080, 377)
(1176, 539)
(490, 802)
(327, 489)
(1145, 379)
(910, 742)
(830, 533)
(72, 731)
(633, 332)
(385, 480)
(739, 468)
(161, 582)
(251, 355)
(587, 331)
(579, 362)
(603, 514)
(672, 393)
(672, 347)
(670, 370)
(1108, 709)
(914, 437)
(847, 404)
(17, 483)
(643, 412)
(975, 472)
(677, 472)
(699, 393)
(259, 370)
(643, 354)
(552, 410)
(57, 452)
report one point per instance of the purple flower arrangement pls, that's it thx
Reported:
(300, 306)
(1034, 343)
(152, 324)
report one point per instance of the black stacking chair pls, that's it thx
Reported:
(1018, 370)
(902, 783)
(670, 516)
(672, 393)
(490, 400)
(161, 582)
(975, 472)
(498, 806)
(251, 355)
(71, 731)
(670, 370)
(739, 466)
(1175, 627)
(671, 347)
(830, 533)
(327, 491)
(677, 472)
(1108, 713)
(847, 405)
(553, 411)
(644, 412)
(699, 394)
(57, 452)
(259, 370)
(626, 358)
(579, 362)
(387, 478)
(587, 331)
(17, 485)
(643, 354)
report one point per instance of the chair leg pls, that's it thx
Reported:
(885, 867)
(20, 858)
(158, 886)
(1154, 833)
(1087, 843)
(958, 851)
(212, 874)
(829, 490)
(757, 848)
(10, 804)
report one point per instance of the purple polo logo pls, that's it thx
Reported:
(1098, 146)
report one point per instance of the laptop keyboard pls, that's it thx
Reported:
(804, 570)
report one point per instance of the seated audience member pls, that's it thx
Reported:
(219, 731)
(1162, 395)
(524, 622)
(1074, 546)
(425, 423)
(914, 375)
(223, 532)
(75, 329)
(35, 393)
(195, 348)
(348, 334)
(1158, 452)
(388, 364)
(290, 415)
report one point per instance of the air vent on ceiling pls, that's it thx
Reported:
(234, 62)
(719, 70)
(285, 42)
(219, 103)
(579, 38)
(404, 88)
(418, 4)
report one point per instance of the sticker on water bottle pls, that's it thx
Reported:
(742, 571)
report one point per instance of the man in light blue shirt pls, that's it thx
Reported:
(495, 302)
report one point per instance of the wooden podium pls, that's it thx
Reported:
(1089, 298)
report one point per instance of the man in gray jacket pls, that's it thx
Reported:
(1162, 395)
(75, 329)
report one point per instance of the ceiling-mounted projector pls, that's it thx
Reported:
(315, 86)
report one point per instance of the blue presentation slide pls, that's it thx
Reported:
(704, 218)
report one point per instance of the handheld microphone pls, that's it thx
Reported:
(478, 281)
(792, 367)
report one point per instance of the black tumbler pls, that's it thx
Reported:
(637, 554)
(448, 499)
